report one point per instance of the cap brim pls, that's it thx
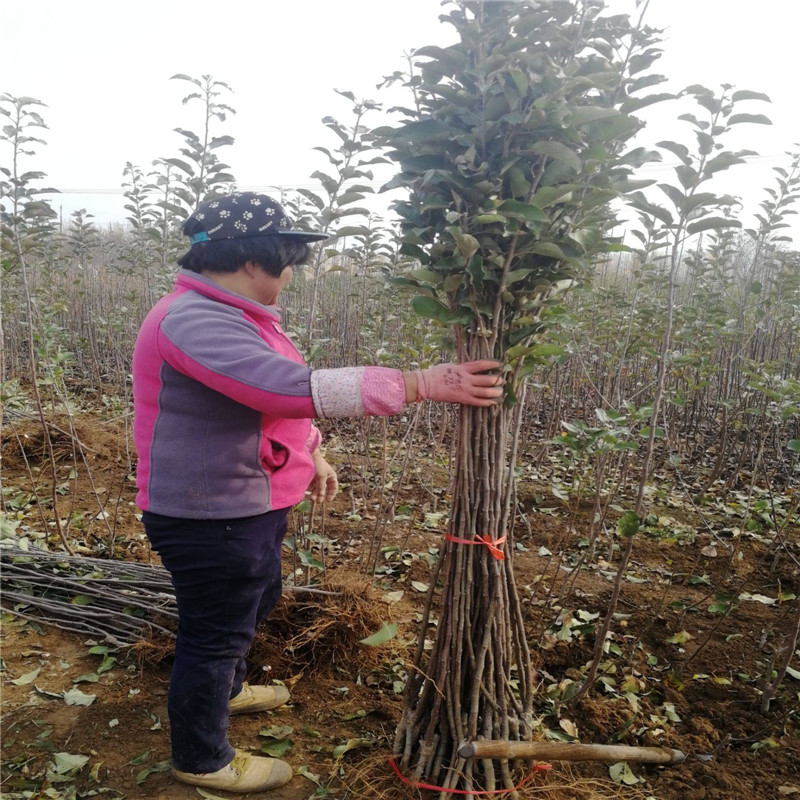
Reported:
(305, 236)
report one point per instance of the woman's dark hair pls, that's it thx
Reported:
(272, 253)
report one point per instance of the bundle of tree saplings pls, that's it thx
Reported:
(121, 602)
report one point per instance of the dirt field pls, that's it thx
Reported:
(690, 677)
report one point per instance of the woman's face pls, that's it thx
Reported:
(268, 287)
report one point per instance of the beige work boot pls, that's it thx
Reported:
(258, 698)
(245, 773)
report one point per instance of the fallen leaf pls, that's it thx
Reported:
(621, 773)
(351, 744)
(277, 748)
(680, 638)
(160, 766)
(759, 598)
(67, 762)
(307, 773)
(28, 677)
(289, 683)
(140, 759)
(793, 673)
(709, 551)
(419, 586)
(393, 597)
(75, 697)
(277, 731)
(387, 632)
(48, 695)
(568, 727)
(208, 795)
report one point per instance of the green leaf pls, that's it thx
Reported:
(425, 275)
(547, 349)
(755, 119)
(140, 759)
(176, 162)
(81, 600)
(307, 773)
(388, 631)
(277, 748)
(159, 766)
(744, 94)
(550, 249)
(431, 309)
(676, 195)
(517, 275)
(794, 445)
(307, 559)
(351, 230)
(628, 524)
(679, 150)
(558, 151)
(584, 115)
(709, 223)
(428, 130)
(467, 245)
(520, 210)
(107, 664)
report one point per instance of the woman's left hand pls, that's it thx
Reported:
(325, 485)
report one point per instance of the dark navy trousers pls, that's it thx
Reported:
(227, 578)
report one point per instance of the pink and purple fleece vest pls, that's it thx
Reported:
(223, 403)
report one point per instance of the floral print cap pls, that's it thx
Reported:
(243, 214)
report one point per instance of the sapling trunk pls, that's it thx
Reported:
(477, 680)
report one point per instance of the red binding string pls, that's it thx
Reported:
(536, 768)
(492, 544)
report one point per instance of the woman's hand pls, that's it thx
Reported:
(325, 485)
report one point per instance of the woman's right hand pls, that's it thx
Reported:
(459, 383)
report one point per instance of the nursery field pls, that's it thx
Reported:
(692, 676)
(634, 493)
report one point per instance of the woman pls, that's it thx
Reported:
(223, 403)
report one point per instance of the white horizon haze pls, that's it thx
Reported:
(103, 72)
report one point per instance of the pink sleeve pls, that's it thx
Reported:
(383, 391)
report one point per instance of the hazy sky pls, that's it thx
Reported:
(103, 70)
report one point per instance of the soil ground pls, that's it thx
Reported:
(688, 676)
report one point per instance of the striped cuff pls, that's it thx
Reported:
(357, 391)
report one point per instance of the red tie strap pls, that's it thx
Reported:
(477, 792)
(492, 544)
